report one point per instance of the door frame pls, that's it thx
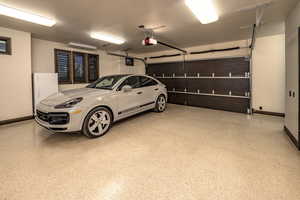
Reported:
(298, 88)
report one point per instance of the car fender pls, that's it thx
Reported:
(109, 102)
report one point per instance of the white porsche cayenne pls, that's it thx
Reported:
(93, 109)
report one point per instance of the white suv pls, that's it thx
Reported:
(93, 109)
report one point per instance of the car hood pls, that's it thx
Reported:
(64, 96)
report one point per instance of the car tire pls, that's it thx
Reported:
(161, 104)
(97, 123)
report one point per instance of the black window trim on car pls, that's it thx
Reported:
(139, 82)
(118, 76)
(121, 84)
(148, 81)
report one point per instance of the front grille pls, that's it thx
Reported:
(42, 116)
(53, 118)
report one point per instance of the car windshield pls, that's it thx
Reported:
(106, 83)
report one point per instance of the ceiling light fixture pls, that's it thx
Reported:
(107, 38)
(204, 10)
(18, 14)
(82, 46)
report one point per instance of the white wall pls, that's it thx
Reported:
(15, 76)
(43, 61)
(268, 80)
(292, 71)
(268, 66)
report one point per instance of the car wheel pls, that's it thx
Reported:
(161, 103)
(97, 122)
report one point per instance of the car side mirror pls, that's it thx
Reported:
(126, 88)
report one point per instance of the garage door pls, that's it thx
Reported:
(218, 84)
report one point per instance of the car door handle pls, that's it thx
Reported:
(156, 89)
(140, 93)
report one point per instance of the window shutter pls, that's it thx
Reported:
(93, 66)
(62, 60)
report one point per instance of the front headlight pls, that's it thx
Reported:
(69, 104)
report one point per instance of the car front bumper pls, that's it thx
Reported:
(59, 120)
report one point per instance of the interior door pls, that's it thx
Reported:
(129, 102)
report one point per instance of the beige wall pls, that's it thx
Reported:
(292, 70)
(268, 66)
(43, 61)
(268, 80)
(237, 53)
(15, 76)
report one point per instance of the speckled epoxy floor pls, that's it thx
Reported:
(184, 153)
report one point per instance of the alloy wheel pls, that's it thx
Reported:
(161, 103)
(99, 123)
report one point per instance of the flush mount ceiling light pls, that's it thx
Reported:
(107, 38)
(83, 46)
(204, 10)
(18, 14)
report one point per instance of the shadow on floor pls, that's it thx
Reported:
(52, 138)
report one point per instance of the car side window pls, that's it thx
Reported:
(146, 82)
(132, 81)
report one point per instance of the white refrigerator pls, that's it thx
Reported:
(44, 85)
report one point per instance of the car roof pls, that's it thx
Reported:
(127, 75)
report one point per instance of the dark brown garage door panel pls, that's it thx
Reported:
(237, 87)
(218, 84)
(220, 67)
(166, 69)
(177, 98)
(177, 84)
(220, 103)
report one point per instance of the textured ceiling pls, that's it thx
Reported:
(77, 18)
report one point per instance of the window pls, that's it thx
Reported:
(146, 82)
(132, 81)
(79, 67)
(93, 63)
(62, 65)
(76, 67)
(5, 45)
